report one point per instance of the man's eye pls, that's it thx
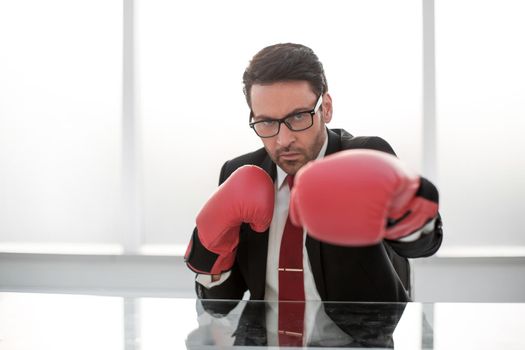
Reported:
(266, 123)
(300, 116)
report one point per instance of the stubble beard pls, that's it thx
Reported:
(307, 155)
(291, 167)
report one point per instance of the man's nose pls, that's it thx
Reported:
(285, 137)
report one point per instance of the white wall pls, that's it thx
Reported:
(61, 125)
(481, 120)
(60, 87)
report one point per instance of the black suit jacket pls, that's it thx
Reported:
(379, 272)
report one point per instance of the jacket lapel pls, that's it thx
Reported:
(269, 166)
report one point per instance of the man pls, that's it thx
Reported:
(349, 228)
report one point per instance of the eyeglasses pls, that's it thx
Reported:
(295, 122)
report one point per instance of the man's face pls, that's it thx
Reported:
(291, 149)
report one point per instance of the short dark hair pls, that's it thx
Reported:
(284, 62)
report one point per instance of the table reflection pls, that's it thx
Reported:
(69, 321)
(354, 325)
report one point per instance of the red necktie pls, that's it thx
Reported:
(291, 284)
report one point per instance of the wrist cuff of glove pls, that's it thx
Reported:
(427, 191)
(414, 236)
(420, 211)
(201, 260)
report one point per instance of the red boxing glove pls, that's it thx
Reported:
(359, 197)
(246, 196)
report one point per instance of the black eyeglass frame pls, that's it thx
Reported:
(312, 112)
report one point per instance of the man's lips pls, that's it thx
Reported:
(289, 155)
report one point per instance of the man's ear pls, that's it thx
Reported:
(327, 108)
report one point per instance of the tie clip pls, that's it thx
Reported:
(295, 334)
(286, 269)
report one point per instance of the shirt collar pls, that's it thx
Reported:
(281, 174)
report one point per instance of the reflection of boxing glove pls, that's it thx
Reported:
(246, 196)
(358, 197)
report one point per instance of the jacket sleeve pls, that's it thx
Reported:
(426, 245)
(232, 288)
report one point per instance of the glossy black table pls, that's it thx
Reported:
(69, 321)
